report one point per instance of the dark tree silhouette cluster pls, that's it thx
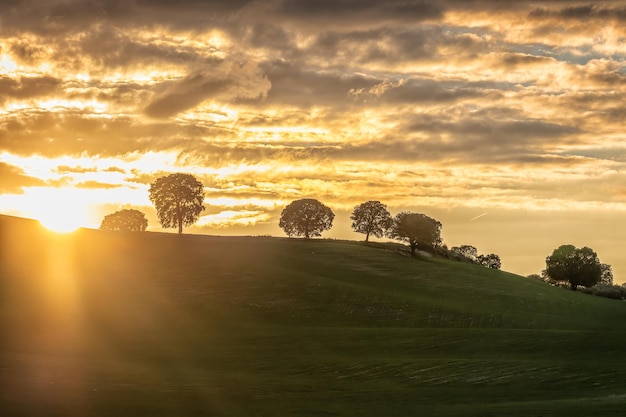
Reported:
(371, 218)
(470, 253)
(127, 220)
(178, 200)
(578, 266)
(490, 260)
(417, 229)
(467, 251)
(309, 217)
(306, 217)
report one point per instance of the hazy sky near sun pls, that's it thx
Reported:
(503, 120)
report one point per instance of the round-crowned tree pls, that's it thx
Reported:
(578, 266)
(416, 229)
(178, 200)
(129, 220)
(489, 261)
(371, 218)
(306, 217)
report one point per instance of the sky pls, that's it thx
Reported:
(502, 120)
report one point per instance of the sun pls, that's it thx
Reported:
(63, 218)
(60, 224)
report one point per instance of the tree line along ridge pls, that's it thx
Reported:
(178, 199)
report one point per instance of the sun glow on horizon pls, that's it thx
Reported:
(64, 216)
(59, 225)
(61, 210)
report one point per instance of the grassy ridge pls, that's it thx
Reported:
(154, 324)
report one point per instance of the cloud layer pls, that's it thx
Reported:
(429, 105)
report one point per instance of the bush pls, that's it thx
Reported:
(609, 291)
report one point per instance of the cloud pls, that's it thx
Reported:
(413, 90)
(57, 133)
(98, 185)
(359, 10)
(28, 87)
(296, 86)
(580, 12)
(226, 82)
(439, 103)
(14, 179)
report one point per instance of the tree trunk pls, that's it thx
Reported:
(367, 237)
(573, 286)
(413, 247)
(180, 218)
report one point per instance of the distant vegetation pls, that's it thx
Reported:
(470, 253)
(127, 220)
(416, 229)
(578, 266)
(371, 218)
(306, 217)
(178, 201)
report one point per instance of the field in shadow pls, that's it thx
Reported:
(151, 324)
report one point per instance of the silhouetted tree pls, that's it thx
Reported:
(416, 229)
(490, 261)
(178, 200)
(130, 220)
(606, 274)
(468, 251)
(574, 265)
(306, 217)
(371, 218)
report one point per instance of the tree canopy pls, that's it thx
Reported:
(417, 229)
(490, 260)
(178, 200)
(578, 266)
(468, 251)
(606, 276)
(371, 218)
(306, 217)
(129, 220)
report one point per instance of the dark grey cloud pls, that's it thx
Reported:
(516, 60)
(430, 91)
(294, 85)
(113, 48)
(226, 82)
(57, 17)
(75, 133)
(186, 94)
(261, 34)
(580, 12)
(410, 10)
(483, 131)
(27, 87)
(26, 52)
(377, 45)
(468, 152)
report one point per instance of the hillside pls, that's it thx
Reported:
(134, 324)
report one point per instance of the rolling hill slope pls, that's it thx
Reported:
(98, 323)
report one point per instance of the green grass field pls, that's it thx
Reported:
(151, 324)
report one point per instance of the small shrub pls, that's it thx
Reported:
(604, 290)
